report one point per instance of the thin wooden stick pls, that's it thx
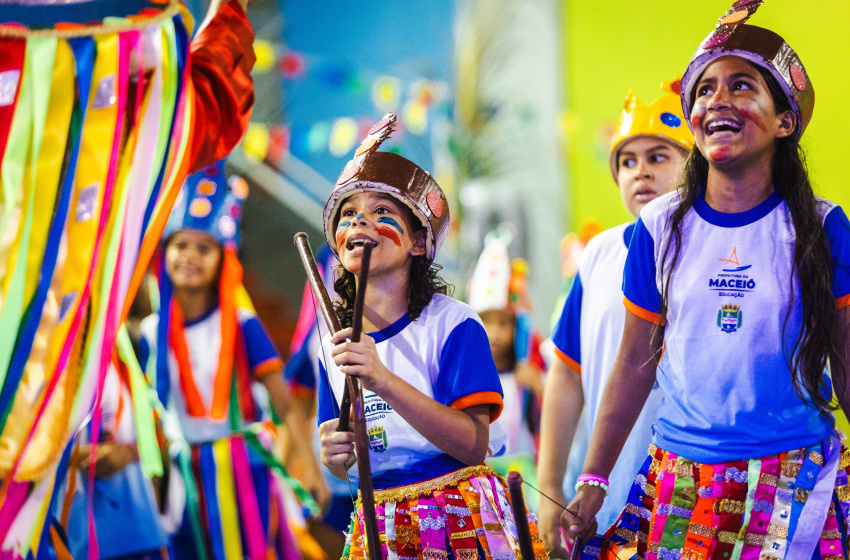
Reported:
(526, 549)
(355, 391)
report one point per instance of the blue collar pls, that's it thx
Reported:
(740, 219)
(392, 330)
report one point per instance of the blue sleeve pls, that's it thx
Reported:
(639, 287)
(837, 229)
(299, 370)
(327, 409)
(262, 355)
(467, 369)
(567, 335)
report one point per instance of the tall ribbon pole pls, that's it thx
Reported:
(354, 394)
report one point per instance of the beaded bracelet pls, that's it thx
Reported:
(592, 480)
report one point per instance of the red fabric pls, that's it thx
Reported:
(11, 58)
(222, 56)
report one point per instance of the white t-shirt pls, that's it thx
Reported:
(444, 354)
(587, 337)
(203, 339)
(724, 374)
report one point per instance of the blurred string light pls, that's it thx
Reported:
(256, 142)
(343, 136)
(415, 117)
(386, 92)
(413, 100)
(265, 53)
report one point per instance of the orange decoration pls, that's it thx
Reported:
(365, 146)
(735, 17)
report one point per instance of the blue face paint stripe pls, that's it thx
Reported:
(343, 225)
(359, 217)
(390, 221)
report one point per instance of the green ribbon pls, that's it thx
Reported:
(149, 452)
(27, 130)
(685, 497)
(753, 472)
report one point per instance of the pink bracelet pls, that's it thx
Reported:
(592, 480)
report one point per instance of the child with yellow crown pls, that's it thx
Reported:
(737, 289)
(647, 152)
(431, 388)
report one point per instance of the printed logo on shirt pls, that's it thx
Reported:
(731, 282)
(729, 317)
(375, 408)
(377, 439)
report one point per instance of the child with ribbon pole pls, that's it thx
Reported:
(647, 151)
(737, 289)
(431, 388)
(203, 351)
(105, 107)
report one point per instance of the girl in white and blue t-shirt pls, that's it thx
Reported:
(431, 388)
(737, 290)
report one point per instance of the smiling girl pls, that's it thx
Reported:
(741, 279)
(431, 387)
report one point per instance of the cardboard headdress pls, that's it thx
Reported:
(661, 118)
(210, 203)
(759, 46)
(385, 172)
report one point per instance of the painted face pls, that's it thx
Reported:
(193, 260)
(734, 117)
(379, 219)
(647, 167)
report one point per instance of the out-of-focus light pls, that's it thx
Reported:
(385, 93)
(256, 143)
(278, 143)
(343, 136)
(317, 138)
(264, 51)
(415, 117)
(292, 65)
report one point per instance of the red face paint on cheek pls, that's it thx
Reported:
(719, 154)
(756, 120)
(340, 238)
(696, 120)
(390, 234)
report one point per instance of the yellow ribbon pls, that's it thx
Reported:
(227, 499)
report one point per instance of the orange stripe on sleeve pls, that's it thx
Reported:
(574, 365)
(482, 397)
(842, 302)
(643, 313)
(302, 392)
(269, 366)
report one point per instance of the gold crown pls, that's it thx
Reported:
(376, 430)
(730, 307)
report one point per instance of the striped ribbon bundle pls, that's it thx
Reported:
(780, 506)
(94, 124)
(457, 514)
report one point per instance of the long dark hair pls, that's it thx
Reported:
(812, 258)
(425, 281)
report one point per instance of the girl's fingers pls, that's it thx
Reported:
(349, 358)
(343, 335)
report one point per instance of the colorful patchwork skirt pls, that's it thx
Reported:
(237, 507)
(465, 515)
(790, 506)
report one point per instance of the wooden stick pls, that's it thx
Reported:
(302, 243)
(526, 549)
(355, 391)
